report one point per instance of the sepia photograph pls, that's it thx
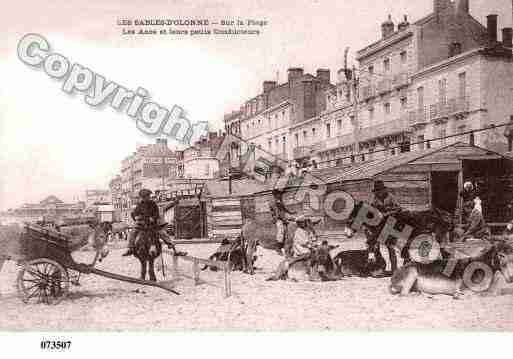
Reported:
(255, 166)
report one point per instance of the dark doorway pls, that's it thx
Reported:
(190, 220)
(444, 190)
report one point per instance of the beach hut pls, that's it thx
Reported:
(434, 177)
(227, 210)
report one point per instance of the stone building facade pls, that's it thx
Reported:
(264, 121)
(149, 167)
(439, 76)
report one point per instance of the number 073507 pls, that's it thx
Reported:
(55, 344)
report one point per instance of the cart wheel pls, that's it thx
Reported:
(42, 280)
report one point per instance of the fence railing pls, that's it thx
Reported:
(196, 262)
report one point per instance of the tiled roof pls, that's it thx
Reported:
(157, 150)
(369, 169)
(243, 187)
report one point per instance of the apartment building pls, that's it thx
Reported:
(265, 121)
(116, 196)
(149, 167)
(439, 76)
(200, 161)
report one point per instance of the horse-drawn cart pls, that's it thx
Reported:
(48, 269)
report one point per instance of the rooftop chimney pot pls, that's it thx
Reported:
(294, 73)
(507, 37)
(491, 27)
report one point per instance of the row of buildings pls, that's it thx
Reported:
(421, 85)
(443, 75)
(160, 169)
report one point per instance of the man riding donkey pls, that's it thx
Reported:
(281, 216)
(387, 204)
(147, 211)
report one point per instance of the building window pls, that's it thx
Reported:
(403, 57)
(386, 65)
(207, 169)
(442, 135)
(339, 125)
(404, 103)
(305, 135)
(313, 134)
(420, 98)
(462, 79)
(284, 145)
(442, 91)
(270, 145)
(420, 140)
(328, 130)
(371, 70)
(371, 114)
(454, 49)
(296, 139)
(387, 108)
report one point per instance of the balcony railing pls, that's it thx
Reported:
(383, 129)
(418, 117)
(368, 92)
(458, 105)
(384, 86)
(452, 106)
(400, 80)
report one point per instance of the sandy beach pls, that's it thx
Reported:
(350, 304)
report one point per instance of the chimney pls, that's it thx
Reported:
(440, 7)
(507, 37)
(404, 24)
(324, 75)
(388, 27)
(294, 73)
(491, 27)
(268, 86)
(462, 7)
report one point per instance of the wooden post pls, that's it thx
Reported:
(460, 199)
(227, 282)
(2, 261)
(195, 269)
(175, 267)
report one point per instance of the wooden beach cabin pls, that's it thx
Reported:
(434, 177)
(226, 211)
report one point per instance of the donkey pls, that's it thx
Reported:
(147, 248)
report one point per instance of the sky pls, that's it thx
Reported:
(54, 143)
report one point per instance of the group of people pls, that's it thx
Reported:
(472, 225)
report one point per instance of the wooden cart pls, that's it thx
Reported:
(48, 269)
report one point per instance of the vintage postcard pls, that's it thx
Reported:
(222, 165)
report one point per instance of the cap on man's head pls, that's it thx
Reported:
(468, 184)
(144, 193)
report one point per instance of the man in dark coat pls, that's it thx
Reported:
(386, 204)
(280, 216)
(147, 211)
(383, 200)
